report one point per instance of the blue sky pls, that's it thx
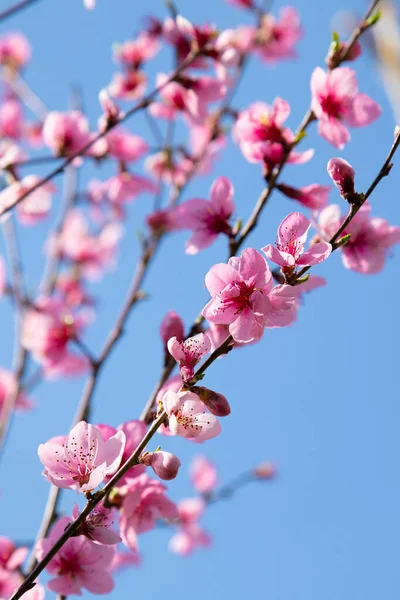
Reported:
(319, 398)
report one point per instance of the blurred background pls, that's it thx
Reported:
(319, 399)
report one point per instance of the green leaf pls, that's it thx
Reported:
(343, 241)
(302, 279)
(373, 19)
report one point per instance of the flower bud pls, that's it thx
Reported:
(216, 403)
(164, 464)
(111, 110)
(265, 470)
(171, 326)
(342, 175)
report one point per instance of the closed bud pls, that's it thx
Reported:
(171, 326)
(265, 470)
(216, 403)
(164, 464)
(342, 175)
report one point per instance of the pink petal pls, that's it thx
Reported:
(277, 256)
(246, 327)
(221, 195)
(219, 276)
(334, 132)
(316, 254)
(294, 226)
(364, 111)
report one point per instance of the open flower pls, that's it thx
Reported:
(243, 297)
(289, 251)
(80, 563)
(188, 416)
(207, 218)
(203, 474)
(97, 526)
(84, 460)
(337, 103)
(188, 353)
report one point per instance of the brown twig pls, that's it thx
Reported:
(12, 10)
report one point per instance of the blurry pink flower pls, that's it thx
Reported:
(172, 326)
(11, 119)
(67, 133)
(163, 220)
(125, 187)
(9, 581)
(262, 137)
(265, 470)
(244, 298)
(370, 240)
(143, 504)
(164, 464)
(190, 535)
(125, 146)
(111, 111)
(188, 353)
(203, 474)
(80, 563)
(337, 103)
(206, 142)
(276, 38)
(242, 3)
(91, 253)
(36, 205)
(163, 167)
(96, 526)
(123, 560)
(342, 175)
(133, 53)
(312, 196)
(48, 328)
(11, 557)
(188, 417)
(8, 387)
(207, 218)
(15, 50)
(70, 286)
(84, 460)
(128, 86)
(289, 251)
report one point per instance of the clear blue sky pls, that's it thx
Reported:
(319, 398)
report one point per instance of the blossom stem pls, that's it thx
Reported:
(20, 354)
(12, 10)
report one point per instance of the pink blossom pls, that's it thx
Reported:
(10, 119)
(123, 560)
(48, 328)
(15, 50)
(11, 557)
(8, 387)
(9, 581)
(96, 526)
(337, 51)
(125, 187)
(10, 154)
(206, 142)
(190, 535)
(92, 253)
(312, 196)
(342, 175)
(337, 103)
(207, 218)
(187, 95)
(312, 283)
(84, 460)
(80, 563)
(144, 502)
(172, 326)
(111, 111)
(262, 137)
(265, 470)
(371, 238)
(125, 146)
(244, 298)
(164, 464)
(128, 86)
(188, 417)
(164, 168)
(133, 53)
(71, 289)
(67, 133)
(289, 251)
(242, 3)
(188, 353)
(203, 474)
(276, 38)
(36, 205)
(163, 220)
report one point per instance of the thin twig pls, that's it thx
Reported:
(12, 10)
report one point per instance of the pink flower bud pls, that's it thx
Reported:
(342, 175)
(164, 464)
(171, 326)
(216, 403)
(265, 470)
